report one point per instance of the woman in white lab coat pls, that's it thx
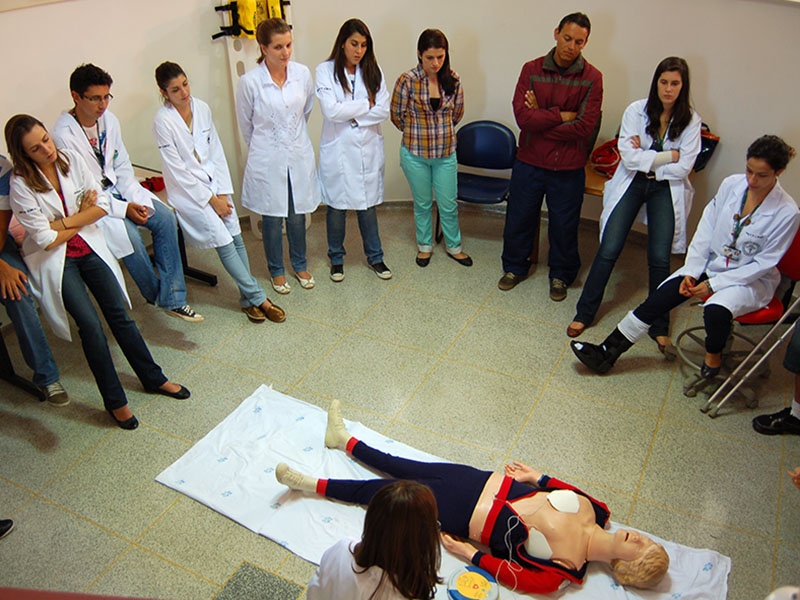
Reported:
(273, 102)
(659, 141)
(58, 202)
(352, 94)
(199, 186)
(744, 232)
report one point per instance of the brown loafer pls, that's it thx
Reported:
(274, 313)
(575, 329)
(254, 313)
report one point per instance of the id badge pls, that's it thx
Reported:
(731, 253)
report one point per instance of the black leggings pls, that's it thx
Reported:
(456, 487)
(717, 319)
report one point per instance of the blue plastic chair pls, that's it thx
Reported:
(485, 145)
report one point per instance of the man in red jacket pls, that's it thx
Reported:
(557, 107)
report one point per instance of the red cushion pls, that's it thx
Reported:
(769, 314)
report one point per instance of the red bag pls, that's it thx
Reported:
(154, 184)
(605, 158)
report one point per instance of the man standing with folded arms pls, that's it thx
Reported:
(557, 107)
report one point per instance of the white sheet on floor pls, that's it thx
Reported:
(231, 471)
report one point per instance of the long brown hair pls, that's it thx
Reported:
(266, 29)
(681, 111)
(369, 64)
(401, 536)
(24, 166)
(435, 38)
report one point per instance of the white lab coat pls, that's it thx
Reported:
(195, 169)
(273, 121)
(68, 133)
(338, 577)
(351, 157)
(750, 283)
(35, 211)
(634, 122)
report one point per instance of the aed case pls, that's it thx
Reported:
(472, 583)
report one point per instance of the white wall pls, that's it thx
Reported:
(742, 53)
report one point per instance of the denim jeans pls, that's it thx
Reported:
(368, 225)
(91, 272)
(563, 191)
(272, 236)
(168, 288)
(236, 262)
(655, 195)
(429, 177)
(791, 362)
(32, 341)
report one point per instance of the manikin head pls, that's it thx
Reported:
(642, 562)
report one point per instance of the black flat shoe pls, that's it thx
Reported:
(128, 424)
(466, 261)
(423, 262)
(181, 394)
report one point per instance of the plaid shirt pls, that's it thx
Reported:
(426, 133)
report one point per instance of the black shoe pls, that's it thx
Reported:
(466, 260)
(777, 423)
(558, 290)
(381, 270)
(181, 394)
(6, 525)
(510, 280)
(707, 372)
(600, 358)
(337, 273)
(422, 262)
(129, 424)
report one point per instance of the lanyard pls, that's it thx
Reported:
(101, 140)
(739, 220)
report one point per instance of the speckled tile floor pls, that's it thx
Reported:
(438, 358)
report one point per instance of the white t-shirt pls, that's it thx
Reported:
(336, 579)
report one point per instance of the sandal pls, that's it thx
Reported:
(575, 329)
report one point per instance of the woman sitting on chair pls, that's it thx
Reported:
(541, 532)
(744, 232)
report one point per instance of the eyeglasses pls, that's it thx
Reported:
(98, 99)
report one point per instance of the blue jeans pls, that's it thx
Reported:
(32, 341)
(563, 191)
(428, 177)
(368, 225)
(660, 229)
(168, 288)
(236, 262)
(91, 272)
(272, 236)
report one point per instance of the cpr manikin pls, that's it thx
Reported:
(565, 501)
(540, 532)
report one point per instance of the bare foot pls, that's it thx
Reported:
(460, 255)
(302, 274)
(170, 387)
(123, 413)
(713, 360)
(424, 255)
(279, 280)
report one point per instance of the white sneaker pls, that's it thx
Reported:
(186, 313)
(55, 394)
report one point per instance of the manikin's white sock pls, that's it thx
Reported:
(795, 408)
(632, 328)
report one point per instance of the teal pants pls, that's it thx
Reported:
(429, 177)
